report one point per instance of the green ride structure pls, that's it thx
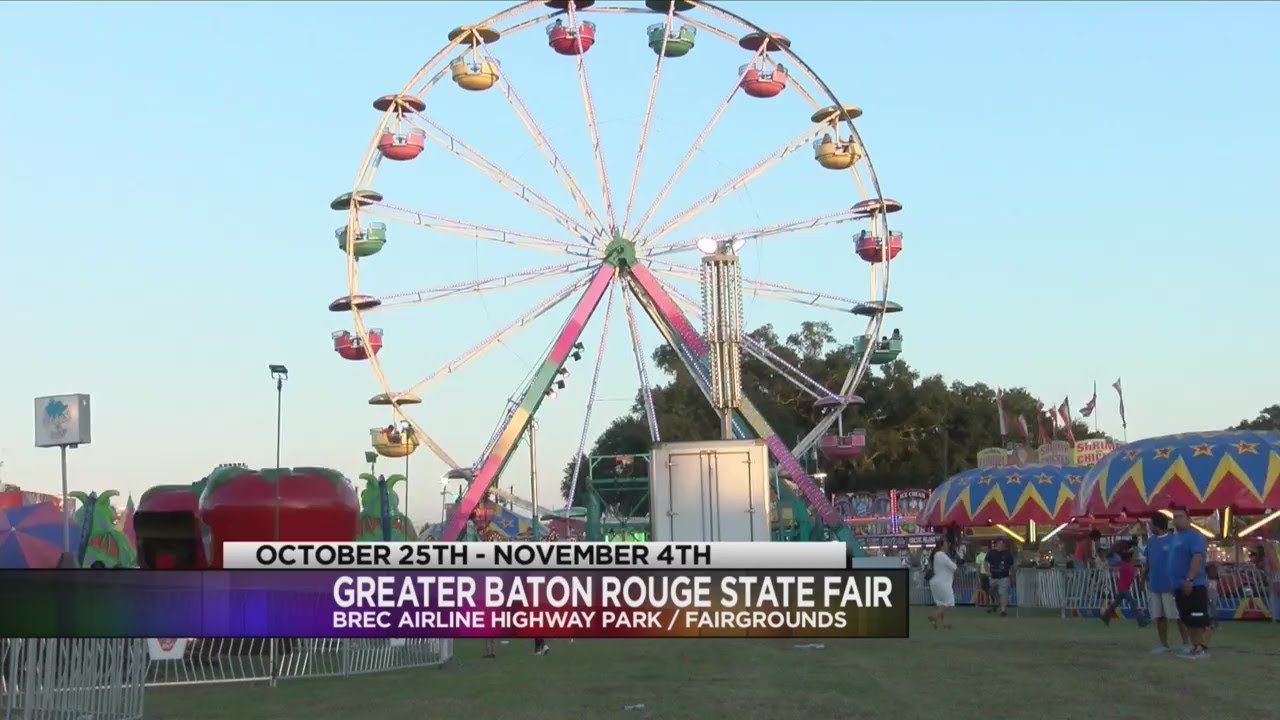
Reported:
(102, 543)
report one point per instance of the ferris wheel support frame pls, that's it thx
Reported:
(522, 414)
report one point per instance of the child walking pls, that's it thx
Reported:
(1125, 573)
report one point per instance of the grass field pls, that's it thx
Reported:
(1037, 668)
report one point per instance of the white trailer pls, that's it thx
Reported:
(713, 491)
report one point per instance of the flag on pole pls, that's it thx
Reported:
(1040, 431)
(1087, 410)
(1123, 422)
(1004, 424)
(1064, 411)
(1024, 429)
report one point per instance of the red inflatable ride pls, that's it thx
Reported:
(184, 526)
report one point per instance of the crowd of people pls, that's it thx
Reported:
(1172, 568)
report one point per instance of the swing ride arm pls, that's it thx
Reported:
(499, 454)
(693, 352)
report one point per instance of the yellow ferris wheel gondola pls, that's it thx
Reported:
(392, 442)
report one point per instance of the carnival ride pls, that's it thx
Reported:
(103, 543)
(1228, 481)
(184, 526)
(614, 246)
(1231, 476)
(1017, 500)
(99, 536)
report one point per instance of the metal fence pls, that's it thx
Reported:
(1239, 593)
(72, 679)
(105, 679)
(227, 660)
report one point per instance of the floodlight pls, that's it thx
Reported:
(708, 246)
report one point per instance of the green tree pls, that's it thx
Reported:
(1268, 420)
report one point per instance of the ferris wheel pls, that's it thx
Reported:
(619, 255)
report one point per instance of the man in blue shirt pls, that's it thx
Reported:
(1160, 600)
(1186, 570)
(1000, 563)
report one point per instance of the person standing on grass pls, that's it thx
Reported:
(941, 576)
(540, 647)
(1186, 566)
(1124, 586)
(984, 578)
(1000, 565)
(1160, 601)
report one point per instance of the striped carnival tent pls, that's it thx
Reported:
(1204, 472)
(1009, 495)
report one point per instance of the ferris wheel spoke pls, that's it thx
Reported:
(736, 183)
(493, 340)
(761, 352)
(482, 285)
(469, 155)
(693, 148)
(646, 389)
(593, 128)
(840, 217)
(648, 115)
(762, 288)
(466, 228)
(521, 412)
(591, 398)
(431, 81)
(544, 145)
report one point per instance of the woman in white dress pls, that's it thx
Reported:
(941, 583)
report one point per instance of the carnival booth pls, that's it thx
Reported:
(884, 522)
(1228, 481)
(1021, 503)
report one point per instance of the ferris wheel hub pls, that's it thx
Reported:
(620, 251)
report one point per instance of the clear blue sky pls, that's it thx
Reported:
(1086, 189)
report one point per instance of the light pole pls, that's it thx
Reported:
(444, 495)
(279, 373)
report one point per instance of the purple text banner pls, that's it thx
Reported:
(316, 603)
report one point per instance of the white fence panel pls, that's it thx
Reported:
(1238, 592)
(99, 679)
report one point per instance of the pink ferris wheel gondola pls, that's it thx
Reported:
(571, 40)
(617, 245)
(350, 347)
